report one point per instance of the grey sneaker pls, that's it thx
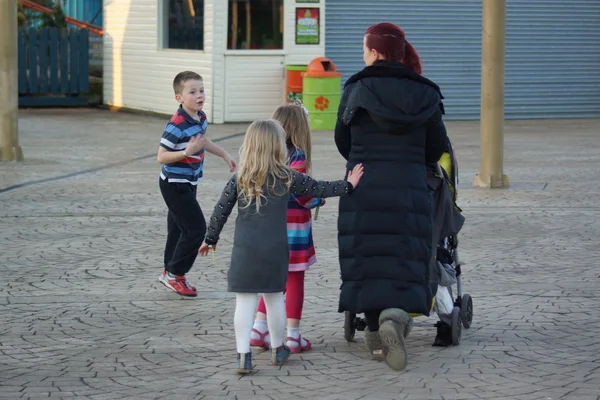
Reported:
(374, 345)
(280, 355)
(394, 348)
(244, 363)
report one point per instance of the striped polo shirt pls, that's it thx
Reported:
(176, 136)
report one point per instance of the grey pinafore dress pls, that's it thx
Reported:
(260, 256)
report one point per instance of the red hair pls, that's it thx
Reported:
(390, 41)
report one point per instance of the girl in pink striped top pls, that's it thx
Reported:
(294, 119)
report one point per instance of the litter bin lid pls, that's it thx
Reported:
(321, 67)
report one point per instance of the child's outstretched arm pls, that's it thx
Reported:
(220, 152)
(219, 216)
(304, 185)
(298, 164)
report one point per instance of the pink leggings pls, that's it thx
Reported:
(294, 296)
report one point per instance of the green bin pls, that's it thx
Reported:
(321, 93)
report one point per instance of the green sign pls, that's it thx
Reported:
(307, 25)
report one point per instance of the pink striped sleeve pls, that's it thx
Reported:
(298, 164)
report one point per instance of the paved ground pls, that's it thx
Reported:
(82, 226)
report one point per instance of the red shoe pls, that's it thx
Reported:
(295, 345)
(179, 284)
(163, 275)
(260, 342)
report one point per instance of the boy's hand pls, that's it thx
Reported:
(322, 203)
(195, 144)
(230, 162)
(203, 251)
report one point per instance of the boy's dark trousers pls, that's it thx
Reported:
(185, 225)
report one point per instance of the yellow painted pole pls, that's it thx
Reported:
(491, 173)
(9, 92)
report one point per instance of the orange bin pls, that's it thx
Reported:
(293, 81)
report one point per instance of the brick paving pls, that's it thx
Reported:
(82, 227)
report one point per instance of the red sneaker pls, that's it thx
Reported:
(178, 284)
(163, 275)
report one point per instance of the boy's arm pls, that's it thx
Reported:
(221, 212)
(171, 150)
(165, 156)
(168, 152)
(218, 151)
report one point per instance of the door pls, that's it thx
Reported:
(254, 86)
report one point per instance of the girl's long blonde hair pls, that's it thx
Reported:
(262, 169)
(297, 129)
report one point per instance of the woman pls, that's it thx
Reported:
(390, 119)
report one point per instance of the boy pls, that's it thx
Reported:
(181, 154)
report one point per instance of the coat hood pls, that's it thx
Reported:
(393, 96)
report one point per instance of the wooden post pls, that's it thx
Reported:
(9, 92)
(234, 26)
(248, 25)
(491, 173)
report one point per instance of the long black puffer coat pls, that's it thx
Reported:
(390, 119)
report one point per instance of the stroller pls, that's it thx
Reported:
(445, 270)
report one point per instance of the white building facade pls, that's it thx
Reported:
(239, 47)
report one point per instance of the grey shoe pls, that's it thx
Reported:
(408, 327)
(280, 355)
(398, 315)
(374, 345)
(244, 363)
(395, 324)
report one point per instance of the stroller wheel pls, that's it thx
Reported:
(466, 310)
(349, 326)
(456, 326)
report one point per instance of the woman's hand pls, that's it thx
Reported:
(355, 174)
(203, 251)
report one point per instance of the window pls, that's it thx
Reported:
(255, 25)
(184, 24)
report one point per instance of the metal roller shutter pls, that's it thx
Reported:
(447, 35)
(552, 59)
(552, 46)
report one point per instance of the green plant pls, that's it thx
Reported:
(30, 18)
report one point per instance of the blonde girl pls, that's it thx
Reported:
(294, 120)
(261, 189)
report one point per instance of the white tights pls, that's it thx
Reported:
(245, 311)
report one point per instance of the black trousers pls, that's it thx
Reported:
(372, 319)
(186, 226)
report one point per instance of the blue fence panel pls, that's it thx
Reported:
(53, 67)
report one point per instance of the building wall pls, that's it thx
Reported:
(253, 81)
(302, 54)
(447, 35)
(138, 73)
(240, 85)
(552, 51)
